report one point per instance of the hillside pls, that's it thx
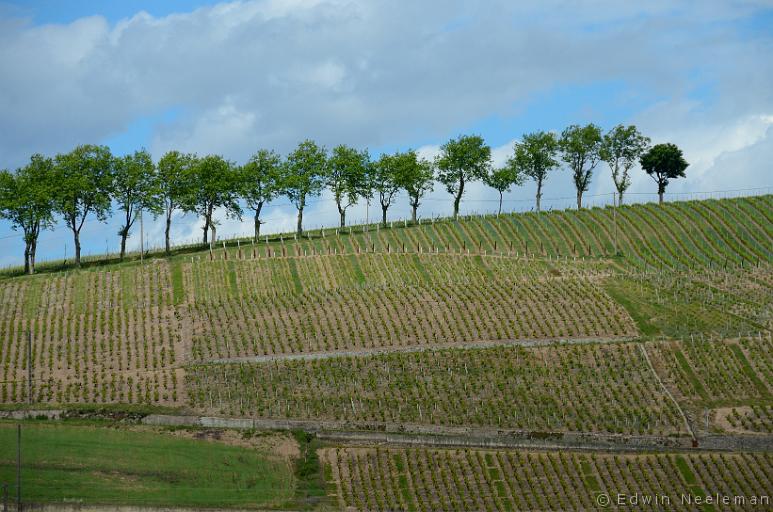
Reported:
(519, 323)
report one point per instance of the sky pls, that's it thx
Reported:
(230, 78)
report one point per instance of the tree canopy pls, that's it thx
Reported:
(415, 175)
(135, 188)
(580, 146)
(27, 202)
(83, 179)
(304, 176)
(173, 184)
(215, 184)
(621, 149)
(535, 156)
(664, 162)
(261, 182)
(461, 161)
(346, 177)
(504, 178)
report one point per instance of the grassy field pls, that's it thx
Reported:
(96, 464)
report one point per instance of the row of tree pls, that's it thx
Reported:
(89, 181)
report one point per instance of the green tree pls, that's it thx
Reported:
(414, 175)
(304, 176)
(173, 184)
(214, 183)
(27, 202)
(462, 160)
(83, 180)
(664, 162)
(580, 146)
(504, 178)
(346, 174)
(134, 189)
(384, 182)
(261, 182)
(621, 148)
(535, 156)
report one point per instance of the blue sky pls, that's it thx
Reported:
(233, 77)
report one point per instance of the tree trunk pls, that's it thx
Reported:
(123, 245)
(33, 250)
(167, 230)
(660, 197)
(27, 257)
(299, 227)
(620, 197)
(414, 207)
(500, 204)
(384, 214)
(661, 191)
(579, 199)
(206, 230)
(539, 194)
(257, 228)
(458, 198)
(77, 240)
(343, 216)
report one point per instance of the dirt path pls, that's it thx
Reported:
(364, 352)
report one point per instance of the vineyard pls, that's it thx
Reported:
(421, 479)
(96, 337)
(723, 234)
(608, 388)
(644, 322)
(389, 301)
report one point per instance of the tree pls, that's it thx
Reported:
(134, 189)
(27, 202)
(261, 180)
(414, 175)
(173, 185)
(621, 149)
(664, 162)
(83, 180)
(214, 183)
(535, 156)
(580, 147)
(504, 178)
(304, 176)
(346, 175)
(384, 182)
(462, 160)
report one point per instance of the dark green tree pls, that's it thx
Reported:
(504, 178)
(135, 189)
(304, 176)
(173, 184)
(414, 175)
(535, 156)
(461, 161)
(621, 149)
(214, 183)
(261, 182)
(580, 146)
(27, 202)
(664, 162)
(346, 174)
(384, 182)
(84, 179)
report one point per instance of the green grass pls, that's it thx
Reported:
(692, 481)
(749, 371)
(691, 377)
(98, 465)
(178, 288)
